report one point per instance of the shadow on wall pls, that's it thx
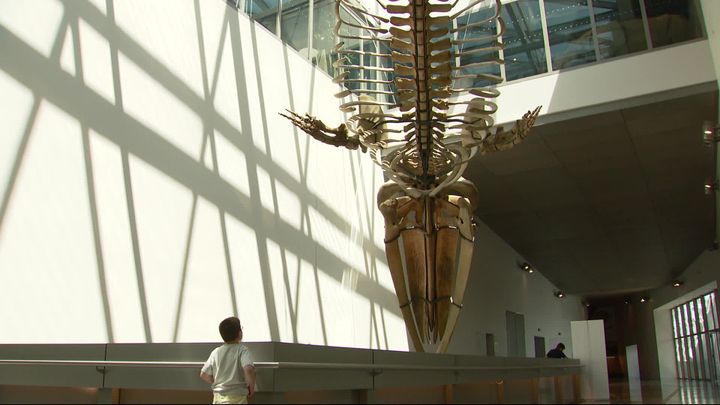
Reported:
(299, 262)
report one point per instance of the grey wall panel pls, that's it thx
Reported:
(518, 391)
(278, 383)
(13, 394)
(484, 392)
(322, 397)
(505, 367)
(51, 376)
(312, 380)
(408, 378)
(263, 351)
(328, 379)
(150, 396)
(157, 378)
(176, 378)
(428, 394)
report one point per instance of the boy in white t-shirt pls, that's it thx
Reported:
(223, 368)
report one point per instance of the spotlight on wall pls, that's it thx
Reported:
(627, 300)
(527, 267)
(559, 294)
(677, 283)
(710, 133)
(644, 299)
(711, 186)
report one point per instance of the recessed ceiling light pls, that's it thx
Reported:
(710, 133)
(710, 186)
(527, 267)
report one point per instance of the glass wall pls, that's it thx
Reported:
(695, 330)
(620, 28)
(673, 21)
(524, 41)
(548, 35)
(263, 11)
(294, 20)
(351, 49)
(475, 42)
(540, 35)
(323, 36)
(570, 33)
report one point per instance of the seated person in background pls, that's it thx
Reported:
(557, 352)
(230, 369)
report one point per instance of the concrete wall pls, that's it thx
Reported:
(649, 326)
(700, 278)
(496, 285)
(149, 189)
(711, 13)
(284, 375)
(627, 81)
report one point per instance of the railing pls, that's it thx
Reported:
(541, 36)
(283, 365)
(359, 381)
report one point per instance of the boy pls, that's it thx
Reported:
(222, 369)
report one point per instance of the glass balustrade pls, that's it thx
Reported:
(323, 38)
(673, 21)
(475, 43)
(524, 40)
(294, 23)
(540, 35)
(620, 28)
(263, 11)
(570, 33)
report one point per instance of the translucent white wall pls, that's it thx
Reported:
(149, 188)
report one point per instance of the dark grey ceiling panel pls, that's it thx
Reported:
(606, 204)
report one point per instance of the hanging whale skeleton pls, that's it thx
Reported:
(422, 141)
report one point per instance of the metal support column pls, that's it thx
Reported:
(546, 36)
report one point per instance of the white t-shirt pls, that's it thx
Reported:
(226, 365)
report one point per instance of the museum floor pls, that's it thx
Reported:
(654, 392)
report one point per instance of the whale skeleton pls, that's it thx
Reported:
(423, 139)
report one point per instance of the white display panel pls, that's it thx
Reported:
(588, 339)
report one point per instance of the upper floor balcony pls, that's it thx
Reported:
(541, 37)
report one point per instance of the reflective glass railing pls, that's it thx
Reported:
(540, 35)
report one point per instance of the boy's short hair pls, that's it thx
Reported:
(559, 346)
(230, 329)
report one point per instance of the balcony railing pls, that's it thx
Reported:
(285, 365)
(541, 35)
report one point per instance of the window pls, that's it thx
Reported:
(696, 338)
(573, 33)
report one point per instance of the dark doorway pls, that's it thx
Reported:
(539, 346)
(515, 324)
(489, 344)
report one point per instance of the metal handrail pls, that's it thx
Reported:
(279, 365)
